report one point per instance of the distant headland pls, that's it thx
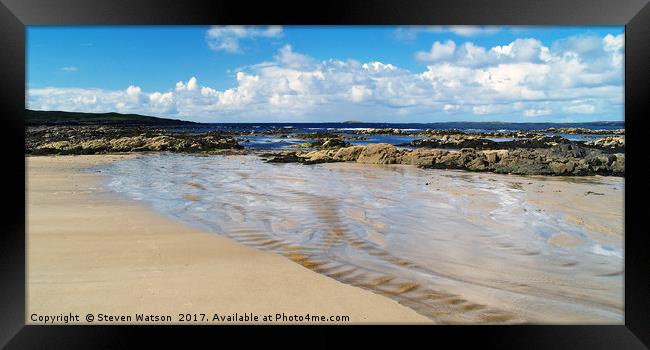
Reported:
(81, 118)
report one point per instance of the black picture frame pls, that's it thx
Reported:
(634, 14)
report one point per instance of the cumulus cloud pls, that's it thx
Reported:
(228, 38)
(289, 58)
(614, 45)
(438, 51)
(133, 91)
(520, 79)
(189, 86)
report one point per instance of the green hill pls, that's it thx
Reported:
(79, 118)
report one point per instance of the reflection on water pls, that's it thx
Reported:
(288, 142)
(457, 247)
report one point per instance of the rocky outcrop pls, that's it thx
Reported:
(325, 143)
(560, 159)
(379, 131)
(380, 153)
(614, 144)
(565, 159)
(583, 131)
(469, 141)
(483, 134)
(103, 139)
(476, 134)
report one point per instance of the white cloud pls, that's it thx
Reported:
(581, 108)
(228, 38)
(189, 86)
(614, 46)
(523, 78)
(580, 44)
(287, 57)
(359, 93)
(536, 112)
(410, 33)
(378, 68)
(439, 51)
(522, 50)
(613, 43)
(70, 69)
(491, 109)
(449, 107)
(473, 30)
(133, 91)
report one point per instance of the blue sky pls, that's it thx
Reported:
(300, 73)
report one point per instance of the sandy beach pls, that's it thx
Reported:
(166, 234)
(90, 251)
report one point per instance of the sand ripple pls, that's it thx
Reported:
(457, 247)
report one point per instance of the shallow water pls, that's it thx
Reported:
(288, 141)
(457, 247)
(276, 142)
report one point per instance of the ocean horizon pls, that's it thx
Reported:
(460, 125)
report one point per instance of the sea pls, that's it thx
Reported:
(349, 129)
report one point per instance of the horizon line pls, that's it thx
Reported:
(342, 122)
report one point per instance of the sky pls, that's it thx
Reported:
(330, 73)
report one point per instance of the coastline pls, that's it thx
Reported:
(90, 251)
(503, 152)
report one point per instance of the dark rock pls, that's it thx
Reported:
(583, 131)
(560, 159)
(108, 139)
(459, 142)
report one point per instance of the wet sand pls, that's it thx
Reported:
(91, 251)
(456, 247)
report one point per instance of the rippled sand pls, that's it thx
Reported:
(457, 247)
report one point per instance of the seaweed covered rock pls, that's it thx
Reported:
(561, 159)
(108, 139)
(614, 144)
(583, 131)
(472, 141)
